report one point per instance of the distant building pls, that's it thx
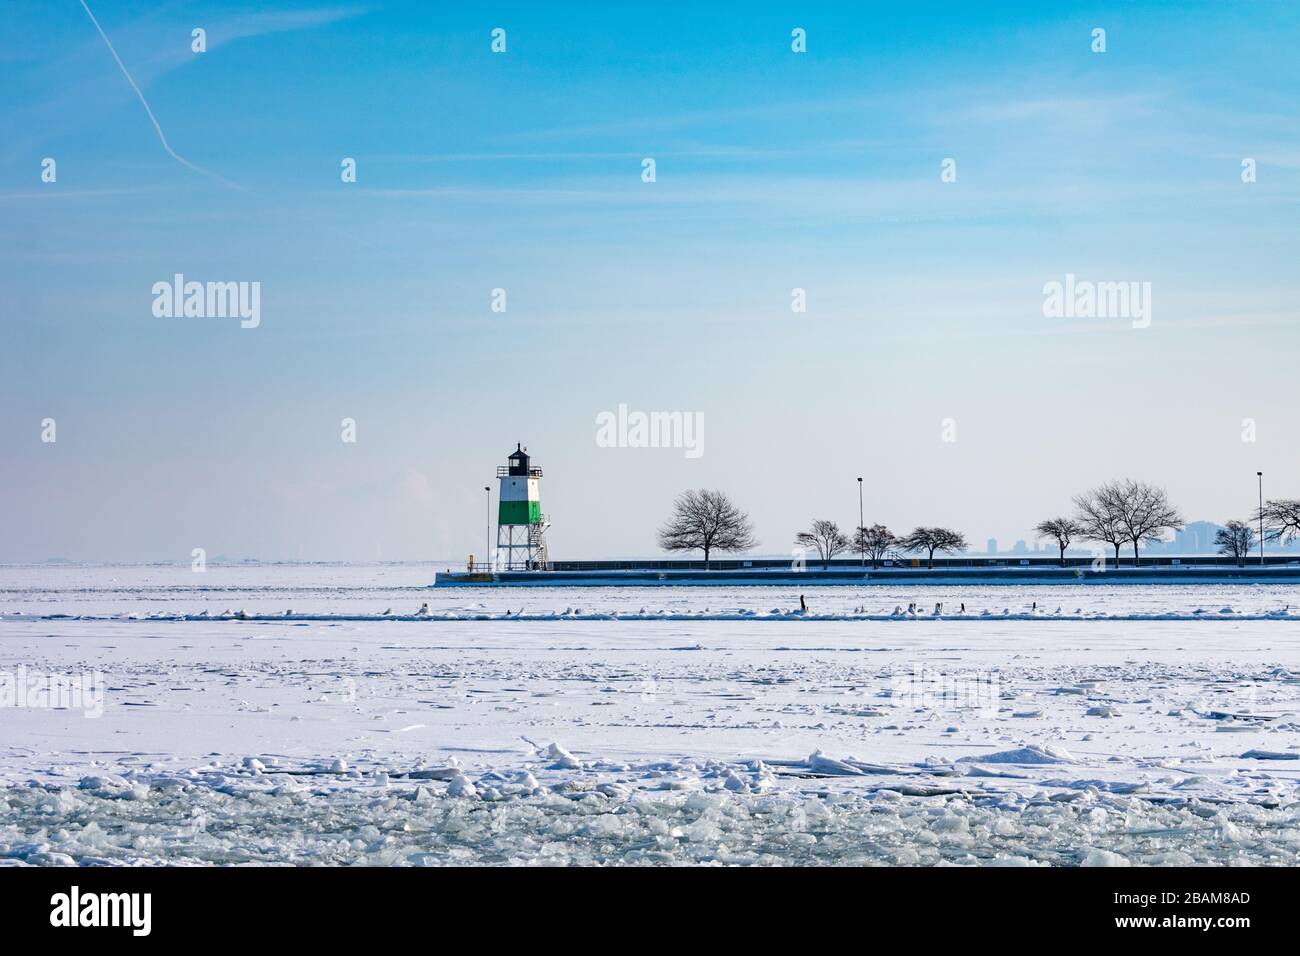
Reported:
(1020, 548)
(1197, 537)
(993, 546)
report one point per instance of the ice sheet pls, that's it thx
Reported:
(468, 737)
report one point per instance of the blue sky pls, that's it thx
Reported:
(522, 171)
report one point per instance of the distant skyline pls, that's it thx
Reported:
(927, 360)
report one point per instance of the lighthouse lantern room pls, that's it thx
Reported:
(521, 526)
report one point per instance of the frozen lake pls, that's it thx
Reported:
(367, 591)
(1128, 728)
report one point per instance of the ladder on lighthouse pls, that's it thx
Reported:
(537, 544)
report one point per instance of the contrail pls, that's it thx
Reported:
(152, 119)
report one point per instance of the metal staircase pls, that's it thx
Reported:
(537, 544)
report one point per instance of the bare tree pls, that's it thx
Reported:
(1145, 513)
(1097, 513)
(931, 540)
(1236, 539)
(1064, 530)
(826, 537)
(1281, 519)
(876, 543)
(708, 521)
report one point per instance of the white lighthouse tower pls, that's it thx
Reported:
(521, 526)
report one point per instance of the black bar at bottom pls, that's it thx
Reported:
(333, 906)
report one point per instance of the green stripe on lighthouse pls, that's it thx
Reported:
(519, 512)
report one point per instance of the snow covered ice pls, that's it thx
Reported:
(629, 726)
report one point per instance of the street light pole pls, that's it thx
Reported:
(861, 529)
(487, 538)
(1260, 475)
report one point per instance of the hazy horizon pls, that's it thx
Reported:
(924, 361)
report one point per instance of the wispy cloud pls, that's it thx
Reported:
(1113, 108)
(695, 118)
(70, 104)
(267, 22)
(162, 137)
(75, 195)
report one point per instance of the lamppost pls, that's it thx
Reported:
(861, 529)
(487, 538)
(1260, 475)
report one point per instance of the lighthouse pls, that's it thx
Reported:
(521, 526)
